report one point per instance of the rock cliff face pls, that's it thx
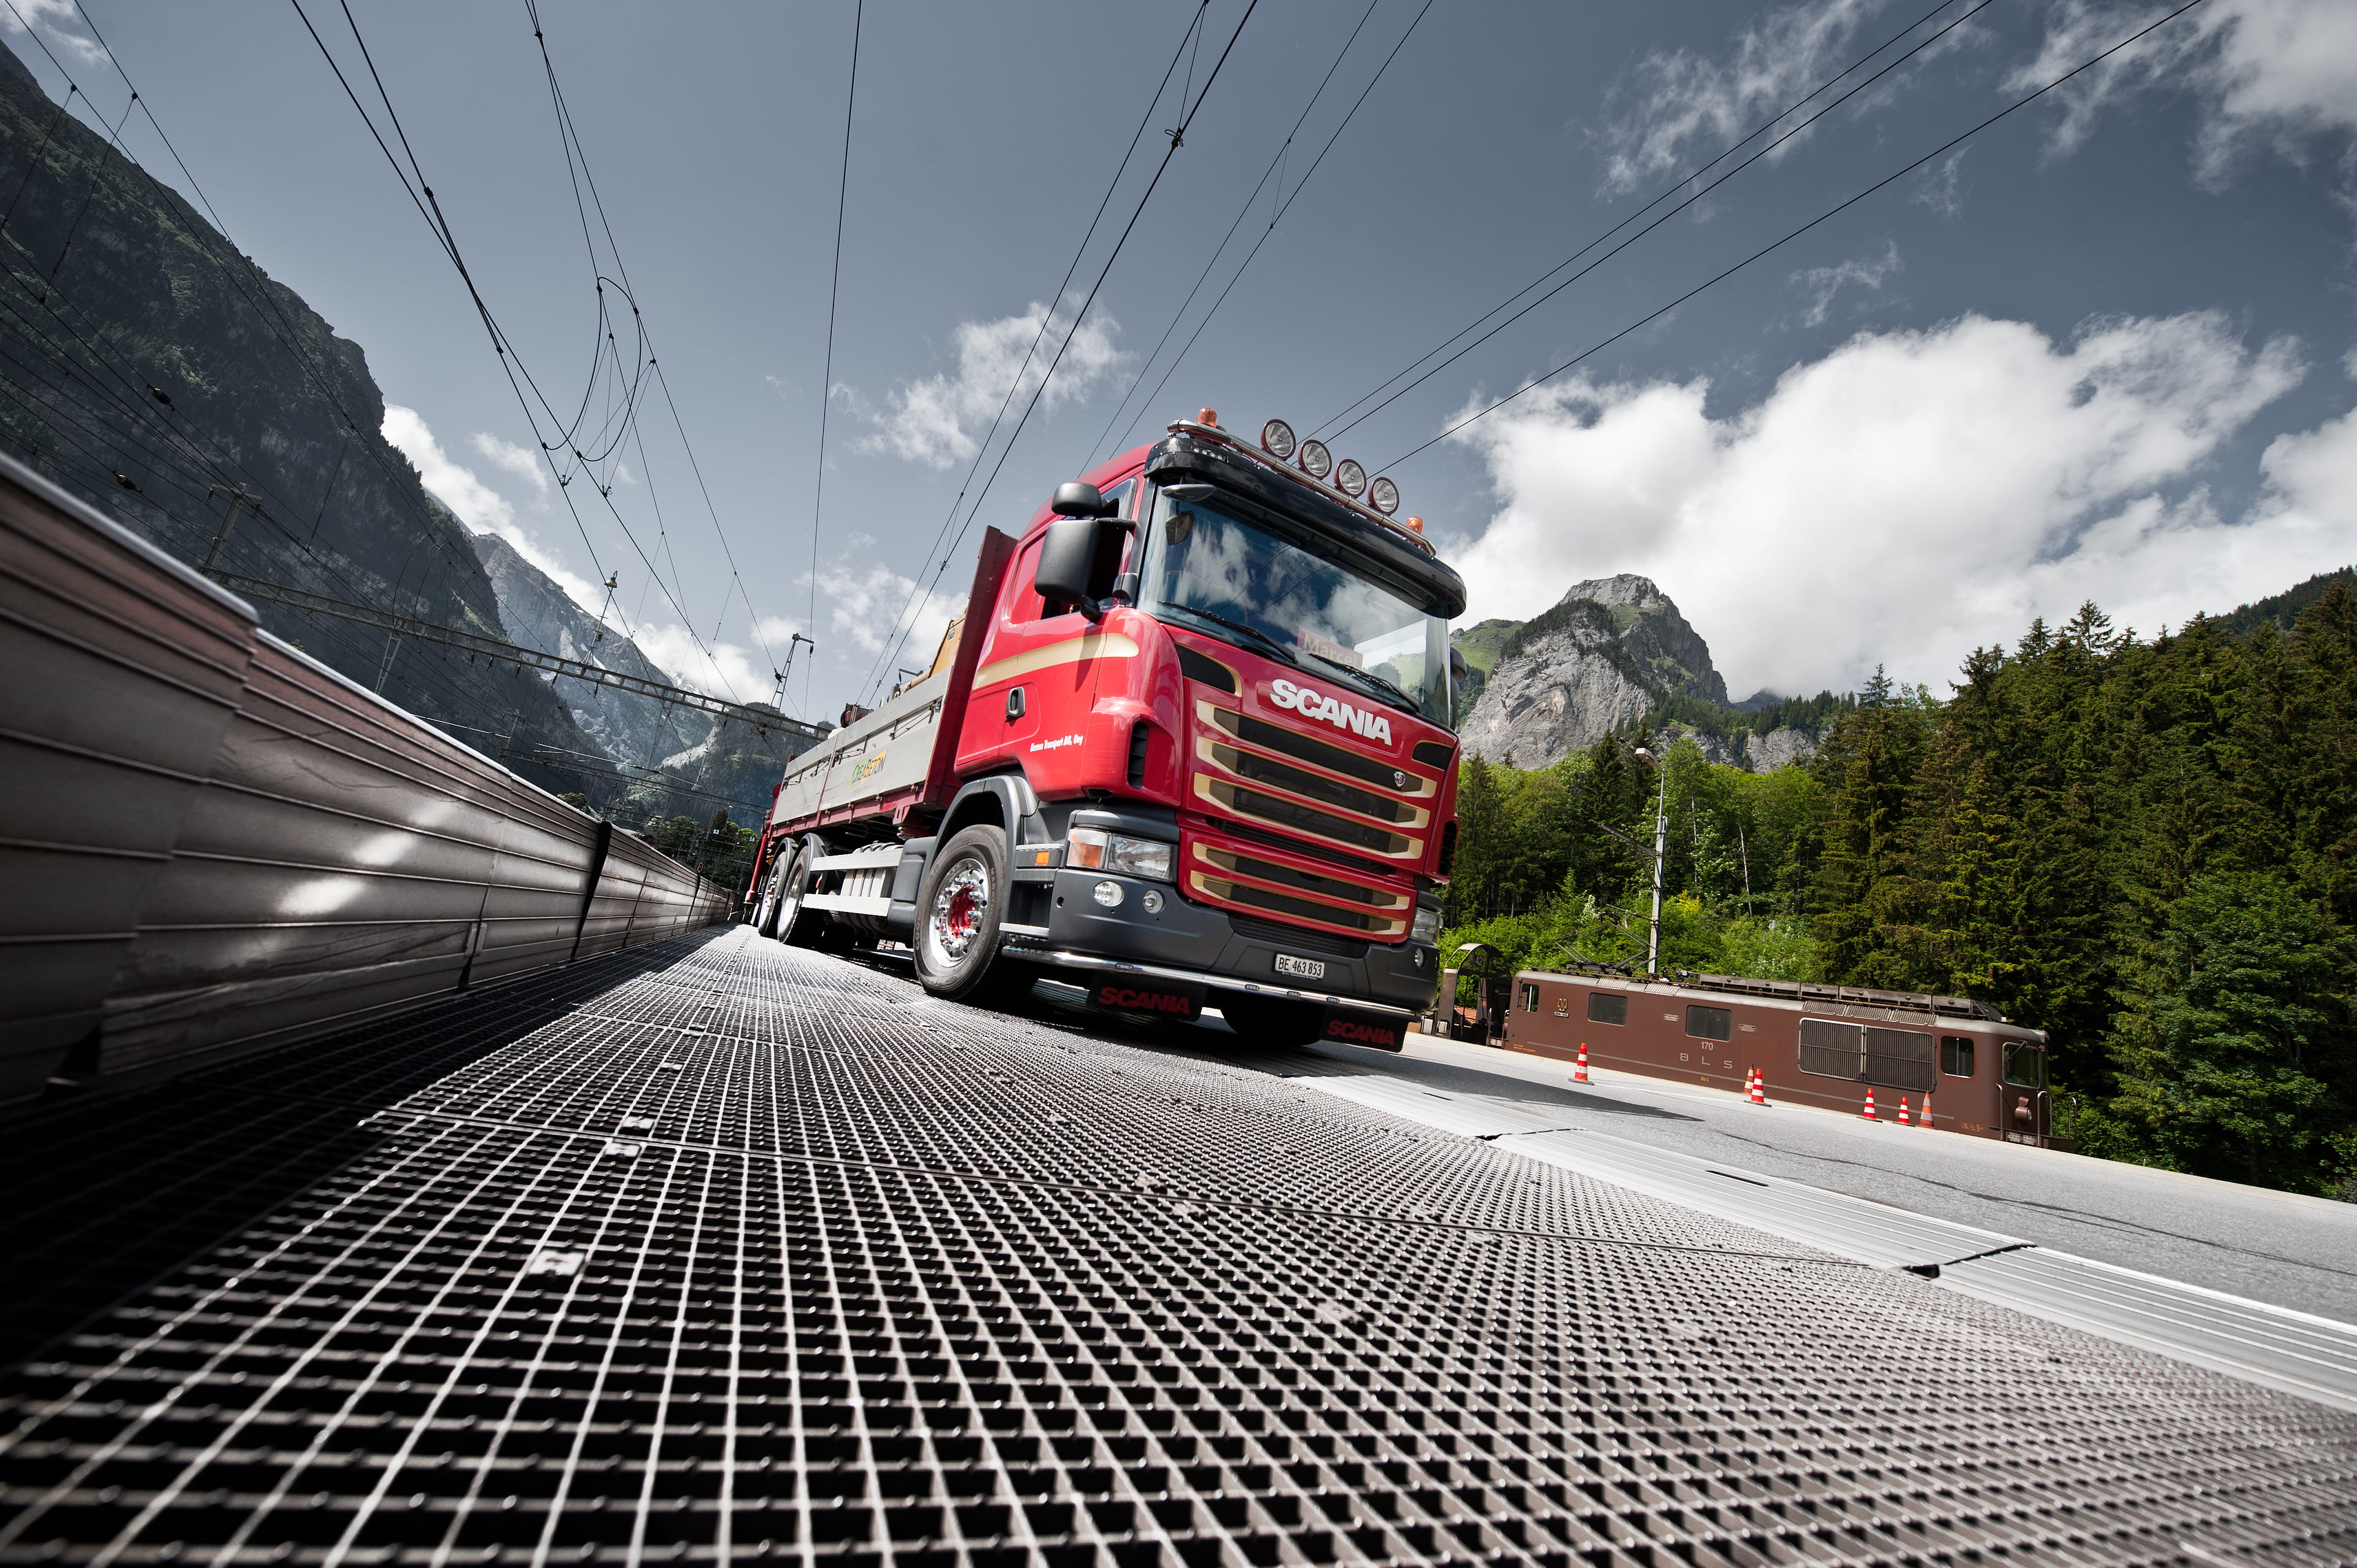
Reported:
(154, 371)
(1601, 658)
(724, 757)
(1604, 657)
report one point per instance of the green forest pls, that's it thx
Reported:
(2146, 847)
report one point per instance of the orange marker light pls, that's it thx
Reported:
(1415, 525)
(1208, 416)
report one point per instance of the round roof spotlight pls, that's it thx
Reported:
(1276, 439)
(1383, 496)
(1316, 461)
(1350, 479)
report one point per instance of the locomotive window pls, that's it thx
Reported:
(2025, 1066)
(1831, 1049)
(1530, 998)
(1957, 1054)
(1710, 1022)
(1607, 1007)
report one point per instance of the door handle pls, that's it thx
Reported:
(1013, 705)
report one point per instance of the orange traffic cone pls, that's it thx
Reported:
(1759, 1087)
(1903, 1119)
(1579, 1069)
(1868, 1112)
(1923, 1118)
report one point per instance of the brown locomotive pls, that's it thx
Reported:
(1949, 1058)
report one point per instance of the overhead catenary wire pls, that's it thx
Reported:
(1178, 139)
(1047, 318)
(422, 197)
(1781, 243)
(1275, 164)
(833, 292)
(1300, 186)
(1701, 191)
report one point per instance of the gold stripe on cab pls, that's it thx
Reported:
(1090, 645)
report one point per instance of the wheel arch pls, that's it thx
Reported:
(1004, 800)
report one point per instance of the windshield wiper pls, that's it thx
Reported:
(1258, 636)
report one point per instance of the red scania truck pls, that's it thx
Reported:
(1192, 741)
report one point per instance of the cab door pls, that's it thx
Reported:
(2022, 1110)
(1035, 682)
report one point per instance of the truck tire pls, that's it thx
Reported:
(1270, 1022)
(959, 907)
(793, 924)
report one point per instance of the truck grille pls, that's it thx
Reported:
(1262, 806)
(1314, 899)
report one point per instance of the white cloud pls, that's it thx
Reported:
(1943, 186)
(721, 669)
(2278, 72)
(864, 601)
(523, 463)
(478, 505)
(941, 420)
(56, 20)
(1913, 495)
(1675, 107)
(1823, 283)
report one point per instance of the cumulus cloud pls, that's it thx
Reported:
(1913, 495)
(1821, 284)
(865, 600)
(475, 503)
(57, 25)
(941, 419)
(1675, 107)
(523, 463)
(2273, 72)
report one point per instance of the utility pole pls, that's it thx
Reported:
(1661, 852)
(608, 604)
(237, 498)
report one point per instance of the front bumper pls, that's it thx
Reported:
(1192, 942)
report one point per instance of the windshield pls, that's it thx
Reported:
(1214, 569)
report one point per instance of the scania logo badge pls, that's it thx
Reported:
(1399, 780)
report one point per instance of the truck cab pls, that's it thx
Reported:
(1205, 751)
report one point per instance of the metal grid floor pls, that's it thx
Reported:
(728, 1250)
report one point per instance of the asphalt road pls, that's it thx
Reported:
(2279, 1247)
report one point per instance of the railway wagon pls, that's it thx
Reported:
(1955, 1062)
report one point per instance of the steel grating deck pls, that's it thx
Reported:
(722, 1251)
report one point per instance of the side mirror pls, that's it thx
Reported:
(1457, 670)
(1074, 499)
(1066, 557)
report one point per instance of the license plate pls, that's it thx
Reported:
(1300, 968)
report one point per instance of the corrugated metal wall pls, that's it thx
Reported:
(209, 839)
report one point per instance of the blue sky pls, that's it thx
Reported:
(2104, 351)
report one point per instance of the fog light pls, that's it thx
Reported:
(1153, 901)
(1107, 893)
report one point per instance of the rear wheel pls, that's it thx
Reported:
(795, 926)
(1271, 1021)
(958, 908)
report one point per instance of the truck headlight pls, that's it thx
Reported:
(1427, 928)
(1093, 849)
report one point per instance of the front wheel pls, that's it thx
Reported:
(958, 908)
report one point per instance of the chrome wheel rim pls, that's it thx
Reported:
(961, 900)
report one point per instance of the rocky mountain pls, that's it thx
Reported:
(157, 372)
(1612, 652)
(661, 748)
